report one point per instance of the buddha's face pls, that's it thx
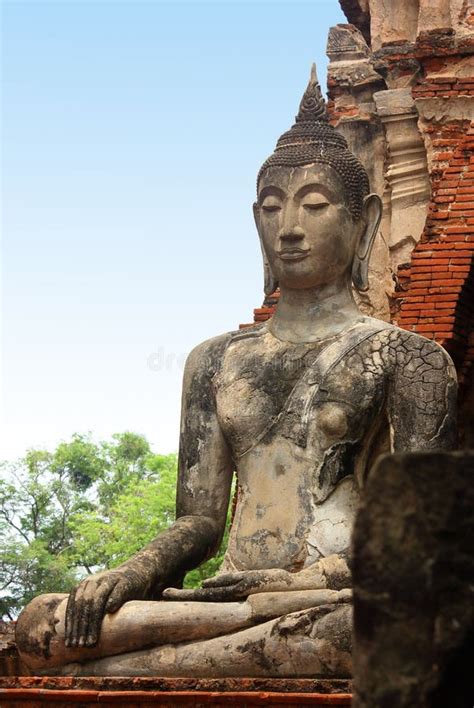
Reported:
(307, 231)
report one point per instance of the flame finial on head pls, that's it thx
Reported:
(312, 105)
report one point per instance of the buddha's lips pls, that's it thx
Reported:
(293, 254)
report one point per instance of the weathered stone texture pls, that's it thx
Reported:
(357, 12)
(413, 570)
(9, 661)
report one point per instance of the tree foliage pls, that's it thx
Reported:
(84, 507)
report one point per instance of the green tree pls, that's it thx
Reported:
(81, 508)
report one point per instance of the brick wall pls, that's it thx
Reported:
(434, 295)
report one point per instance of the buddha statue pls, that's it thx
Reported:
(298, 407)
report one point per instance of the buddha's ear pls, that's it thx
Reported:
(270, 283)
(371, 215)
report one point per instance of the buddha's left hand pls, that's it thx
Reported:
(229, 587)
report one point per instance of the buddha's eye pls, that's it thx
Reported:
(313, 203)
(271, 205)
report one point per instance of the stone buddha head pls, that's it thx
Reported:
(315, 217)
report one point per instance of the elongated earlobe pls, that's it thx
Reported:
(270, 283)
(371, 214)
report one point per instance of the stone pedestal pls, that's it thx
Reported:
(35, 692)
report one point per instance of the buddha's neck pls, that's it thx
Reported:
(314, 314)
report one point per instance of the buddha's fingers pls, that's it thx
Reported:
(223, 580)
(224, 594)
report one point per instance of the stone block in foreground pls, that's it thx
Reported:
(414, 583)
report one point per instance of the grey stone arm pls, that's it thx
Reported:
(164, 561)
(422, 397)
(204, 480)
(205, 467)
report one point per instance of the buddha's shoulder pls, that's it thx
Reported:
(207, 356)
(410, 348)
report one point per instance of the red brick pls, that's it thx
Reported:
(445, 273)
(426, 283)
(444, 289)
(411, 306)
(456, 218)
(442, 142)
(430, 269)
(465, 190)
(407, 320)
(429, 313)
(434, 328)
(463, 205)
(454, 238)
(460, 253)
(438, 247)
(457, 230)
(419, 276)
(418, 262)
(445, 320)
(447, 281)
(444, 199)
(422, 255)
(263, 310)
(448, 192)
(448, 183)
(438, 261)
(409, 298)
(438, 215)
(459, 268)
(444, 155)
(442, 302)
(416, 291)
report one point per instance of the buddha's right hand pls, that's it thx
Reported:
(94, 597)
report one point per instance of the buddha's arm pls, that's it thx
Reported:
(421, 400)
(204, 481)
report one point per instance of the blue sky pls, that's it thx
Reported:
(132, 133)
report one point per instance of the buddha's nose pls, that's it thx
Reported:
(291, 232)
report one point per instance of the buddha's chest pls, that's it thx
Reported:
(266, 391)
